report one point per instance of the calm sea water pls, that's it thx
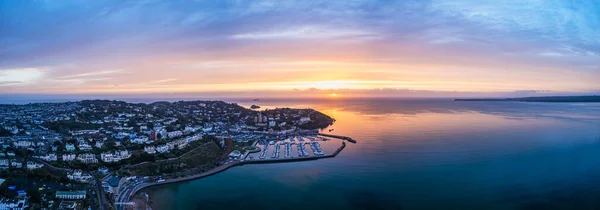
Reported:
(415, 154)
(422, 154)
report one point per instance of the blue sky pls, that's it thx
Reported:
(51, 46)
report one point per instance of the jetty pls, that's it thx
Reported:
(338, 137)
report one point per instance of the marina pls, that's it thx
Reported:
(294, 147)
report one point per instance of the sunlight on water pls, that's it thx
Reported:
(422, 154)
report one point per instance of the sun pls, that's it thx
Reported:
(334, 95)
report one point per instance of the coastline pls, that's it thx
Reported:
(223, 168)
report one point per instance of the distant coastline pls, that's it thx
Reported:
(548, 99)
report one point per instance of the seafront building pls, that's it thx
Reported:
(71, 195)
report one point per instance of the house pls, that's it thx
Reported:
(139, 140)
(85, 147)
(79, 176)
(23, 144)
(70, 147)
(174, 134)
(304, 120)
(162, 148)
(87, 158)
(48, 157)
(67, 205)
(99, 144)
(115, 156)
(33, 165)
(103, 170)
(150, 149)
(68, 157)
(16, 164)
(4, 163)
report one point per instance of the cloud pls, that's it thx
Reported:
(20, 76)
(245, 44)
(165, 80)
(308, 32)
(89, 74)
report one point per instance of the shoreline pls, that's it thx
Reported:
(223, 168)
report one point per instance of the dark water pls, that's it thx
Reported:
(422, 154)
(416, 154)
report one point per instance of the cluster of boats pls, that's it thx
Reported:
(276, 151)
(299, 141)
(316, 148)
(288, 150)
(263, 153)
(302, 150)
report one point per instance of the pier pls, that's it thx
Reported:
(338, 137)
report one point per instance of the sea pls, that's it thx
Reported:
(420, 154)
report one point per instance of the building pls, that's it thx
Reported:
(85, 147)
(16, 164)
(67, 205)
(49, 157)
(150, 149)
(115, 156)
(70, 147)
(14, 204)
(174, 134)
(79, 176)
(87, 158)
(33, 165)
(162, 148)
(4, 163)
(71, 195)
(23, 144)
(304, 120)
(103, 170)
(235, 154)
(139, 140)
(68, 157)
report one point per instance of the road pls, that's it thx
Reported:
(103, 201)
(104, 204)
(129, 190)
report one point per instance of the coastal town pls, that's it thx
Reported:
(97, 154)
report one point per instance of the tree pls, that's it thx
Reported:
(111, 145)
(34, 196)
(57, 144)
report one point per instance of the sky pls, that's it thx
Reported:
(300, 48)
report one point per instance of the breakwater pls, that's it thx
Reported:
(338, 137)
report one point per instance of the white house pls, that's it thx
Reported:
(16, 164)
(68, 157)
(304, 120)
(150, 149)
(174, 134)
(23, 144)
(33, 165)
(49, 157)
(162, 148)
(87, 158)
(85, 147)
(139, 140)
(115, 156)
